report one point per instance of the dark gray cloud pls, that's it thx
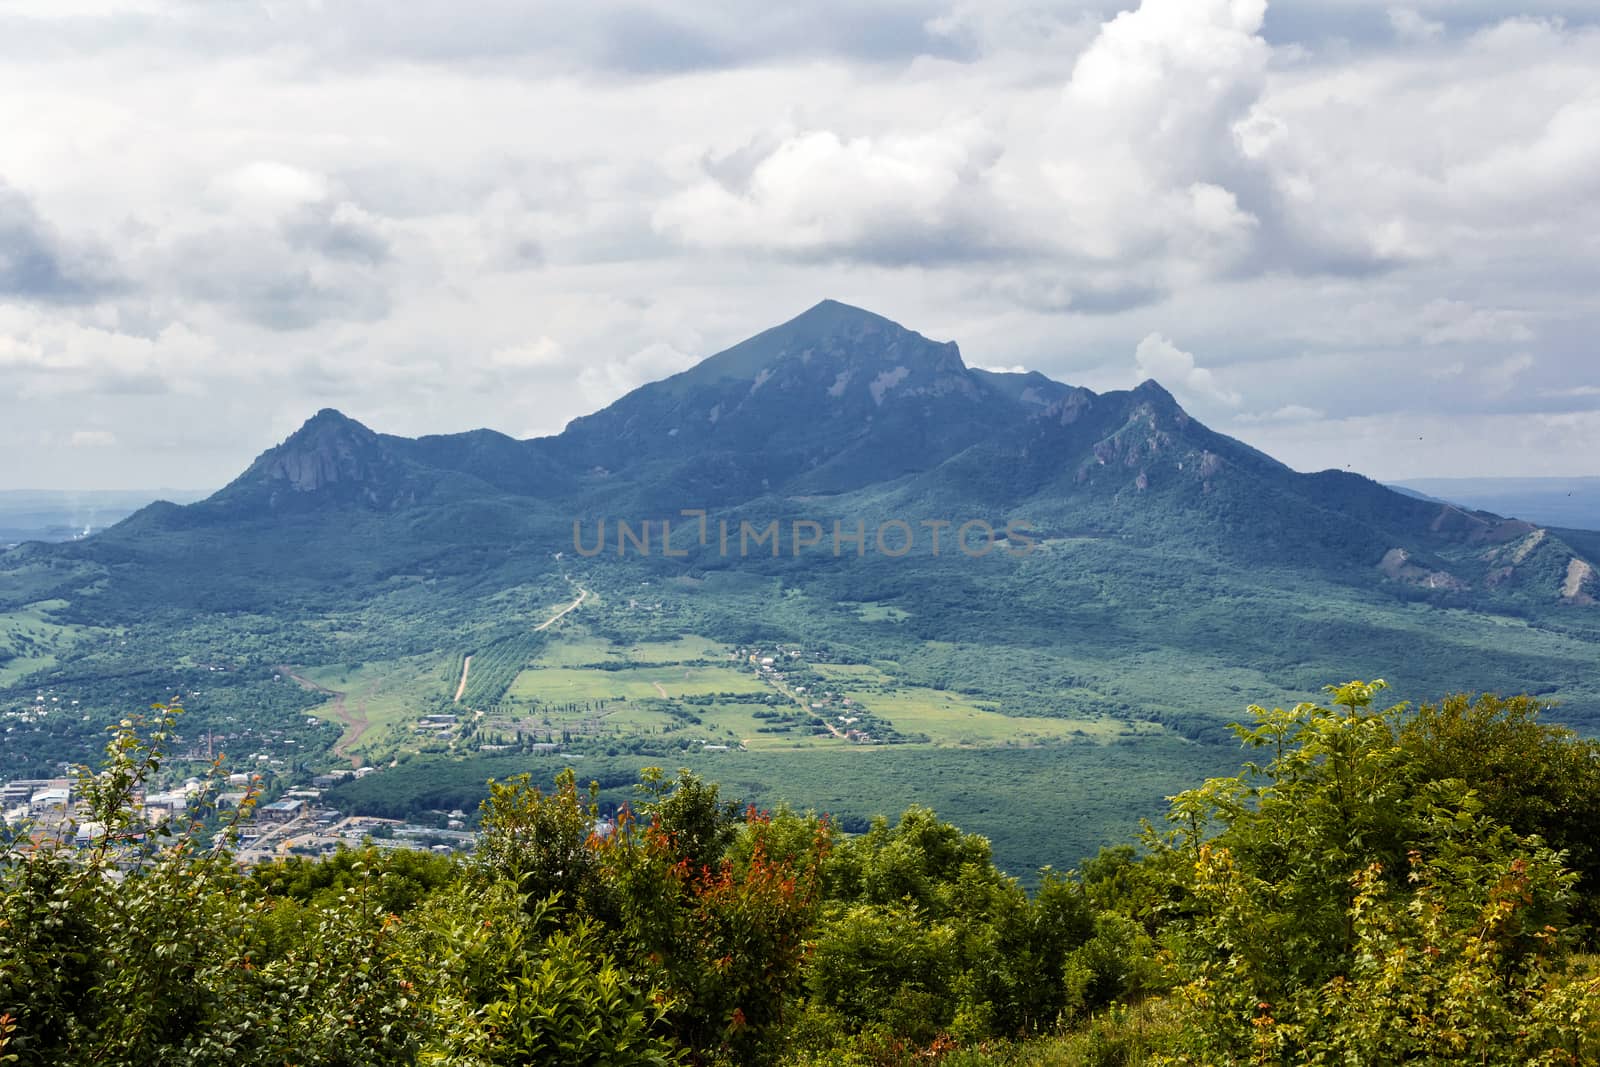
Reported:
(339, 233)
(256, 275)
(36, 263)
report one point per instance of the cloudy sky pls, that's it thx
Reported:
(1350, 232)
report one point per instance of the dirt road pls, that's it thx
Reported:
(354, 722)
(466, 667)
(557, 617)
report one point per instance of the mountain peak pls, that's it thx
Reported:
(329, 420)
(331, 456)
(1150, 389)
(836, 334)
(830, 315)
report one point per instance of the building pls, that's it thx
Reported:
(282, 810)
(47, 800)
(21, 791)
(173, 801)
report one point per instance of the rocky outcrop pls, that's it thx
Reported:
(1397, 566)
(1580, 584)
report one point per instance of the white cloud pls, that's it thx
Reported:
(1158, 358)
(1411, 25)
(1501, 376)
(604, 382)
(92, 439)
(1453, 321)
(269, 188)
(1286, 413)
(1128, 166)
(539, 352)
(453, 213)
(894, 198)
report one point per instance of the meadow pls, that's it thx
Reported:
(555, 685)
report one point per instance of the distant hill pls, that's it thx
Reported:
(1570, 502)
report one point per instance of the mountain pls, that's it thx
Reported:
(1564, 502)
(851, 411)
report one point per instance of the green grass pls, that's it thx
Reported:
(575, 648)
(389, 693)
(949, 719)
(578, 648)
(720, 723)
(31, 640)
(623, 718)
(739, 720)
(567, 684)
(854, 674)
(683, 650)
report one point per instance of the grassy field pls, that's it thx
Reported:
(731, 724)
(376, 701)
(578, 648)
(555, 685)
(623, 718)
(30, 640)
(575, 649)
(683, 650)
(949, 719)
(739, 721)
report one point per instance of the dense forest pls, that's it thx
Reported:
(1379, 884)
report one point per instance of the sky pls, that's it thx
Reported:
(1352, 233)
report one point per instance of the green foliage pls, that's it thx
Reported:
(506, 981)
(398, 879)
(543, 844)
(135, 951)
(727, 938)
(923, 941)
(1345, 907)
(1352, 898)
(687, 817)
(1535, 778)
